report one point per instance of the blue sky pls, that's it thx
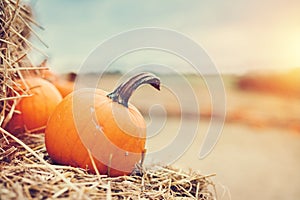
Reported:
(237, 35)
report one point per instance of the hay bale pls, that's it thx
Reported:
(15, 22)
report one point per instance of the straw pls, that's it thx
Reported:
(15, 31)
(27, 171)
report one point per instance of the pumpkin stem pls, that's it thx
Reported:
(123, 92)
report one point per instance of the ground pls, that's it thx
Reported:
(258, 153)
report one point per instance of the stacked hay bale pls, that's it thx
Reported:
(15, 22)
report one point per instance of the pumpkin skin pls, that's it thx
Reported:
(36, 109)
(63, 83)
(114, 134)
(65, 87)
(48, 75)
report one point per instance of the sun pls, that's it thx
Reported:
(293, 51)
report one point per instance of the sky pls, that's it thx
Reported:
(237, 35)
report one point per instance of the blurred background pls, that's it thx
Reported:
(255, 45)
(238, 35)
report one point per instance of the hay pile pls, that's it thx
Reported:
(26, 171)
(15, 22)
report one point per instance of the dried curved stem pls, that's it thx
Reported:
(123, 92)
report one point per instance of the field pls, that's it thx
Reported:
(257, 156)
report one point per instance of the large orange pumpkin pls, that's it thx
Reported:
(35, 109)
(105, 124)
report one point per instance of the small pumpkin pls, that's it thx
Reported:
(65, 85)
(35, 109)
(48, 75)
(106, 125)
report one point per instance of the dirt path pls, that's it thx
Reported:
(250, 163)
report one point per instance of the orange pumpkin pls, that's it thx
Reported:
(35, 109)
(104, 124)
(65, 85)
(48, 75)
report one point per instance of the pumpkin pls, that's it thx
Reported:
(92, 125)
(35, 109)
(48, 75)
(65, 85)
